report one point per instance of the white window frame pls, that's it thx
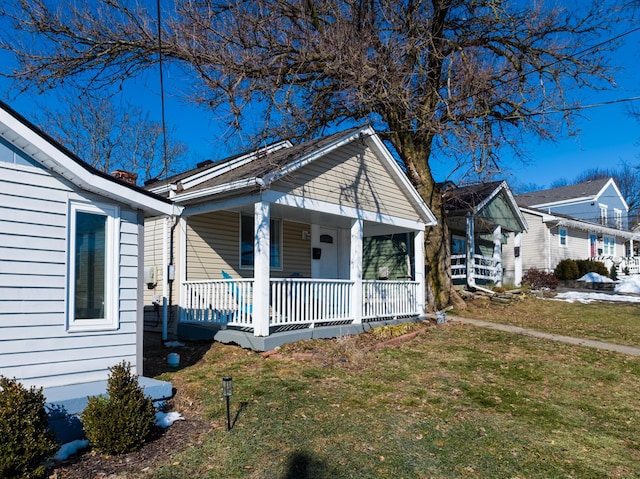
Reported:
(604, 214)
(111, 315)
(563, 237)
(608, 246)
(617, 215)
(280, 246)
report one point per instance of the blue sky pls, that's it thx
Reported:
(607, 135)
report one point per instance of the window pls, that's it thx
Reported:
(609, 245)
(458, 245)
(603, 214)
(93, 267)
(10, 154)
(247, 239)
(617, 215)
(562, 232)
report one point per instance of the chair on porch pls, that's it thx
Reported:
(245, 307)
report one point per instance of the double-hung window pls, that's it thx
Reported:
(617, 214)
(93, 267)
(604, 215)
(247, 235)
(609, 244)
(563, 236)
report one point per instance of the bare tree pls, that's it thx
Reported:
(463, 78)
(110, 136)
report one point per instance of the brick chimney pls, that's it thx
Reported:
(126, 176)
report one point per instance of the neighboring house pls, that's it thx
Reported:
(583, 221)
(71, 269)
(597, 201)
(480, 218)
(271, 245)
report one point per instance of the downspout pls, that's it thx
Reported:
(165, 281)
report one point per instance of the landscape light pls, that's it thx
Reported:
(227, 392)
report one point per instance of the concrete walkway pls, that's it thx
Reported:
(591, 343)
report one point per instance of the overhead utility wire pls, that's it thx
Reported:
(162, 108)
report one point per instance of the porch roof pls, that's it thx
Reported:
(492, 203)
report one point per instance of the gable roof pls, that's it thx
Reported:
(477, 199)
(256, 171)
(587, 191)
(55, 157)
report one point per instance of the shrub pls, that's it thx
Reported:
(613, 274)
(122, 421)
(25, 441)
(586, 266)
(537, 279)
(567, 269)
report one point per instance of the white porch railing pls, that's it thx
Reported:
(390, 299)
(484, 267)
(306, 301)
(295, 301)
(623, 263)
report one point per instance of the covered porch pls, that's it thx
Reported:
(303, 276)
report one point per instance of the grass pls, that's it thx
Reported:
(454, 402)
(617, 323)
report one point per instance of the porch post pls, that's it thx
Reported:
(165, 280)
(471, 247)
(418, 253)
(497, 254)
(182, 264)
(261, 260)
(355, 269)
(517, 253)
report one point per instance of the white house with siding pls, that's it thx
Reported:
(583, 221)
(71, 268)
(270, 246)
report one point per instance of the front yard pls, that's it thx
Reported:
(451, 402)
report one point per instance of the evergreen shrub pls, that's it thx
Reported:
(121, 421)
(567, 269)
(586, 266)
(25, 441)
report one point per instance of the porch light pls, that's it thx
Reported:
(227, 392)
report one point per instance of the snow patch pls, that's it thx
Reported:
(70, 448)
(629, 285)
(595, 278)
(166, 419)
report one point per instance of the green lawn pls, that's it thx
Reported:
(617, 323)
(454, 402)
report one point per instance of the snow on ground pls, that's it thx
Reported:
(595, 278)
(623, 292)
(163, 419)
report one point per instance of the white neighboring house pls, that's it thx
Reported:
(583, 221)
(71, 268)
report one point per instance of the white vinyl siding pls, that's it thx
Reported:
(35, 345)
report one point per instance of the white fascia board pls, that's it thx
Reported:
(214, 190)
(341, 210)
(50, 156)
(222, 204)
(546, 217)
(376, 143)
(615, 187)
(217, 170)
(584, 226)
(571, 202)
(503, 186)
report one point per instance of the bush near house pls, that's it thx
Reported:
(25, 441)
(536, 279)
(572, 269)
(122, 421)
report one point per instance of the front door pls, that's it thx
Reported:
(592, 244)
(327, 242)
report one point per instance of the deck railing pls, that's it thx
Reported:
(624, 264)
(390, 299)
(296, 301)
(484, 267)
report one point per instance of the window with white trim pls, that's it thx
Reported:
(93, 266)
(247, 235)
(562, 234)
(617, 216)
(609, 246)
(603, 214)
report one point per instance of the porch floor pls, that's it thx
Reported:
(246, 339)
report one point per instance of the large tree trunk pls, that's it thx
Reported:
(440, 291)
